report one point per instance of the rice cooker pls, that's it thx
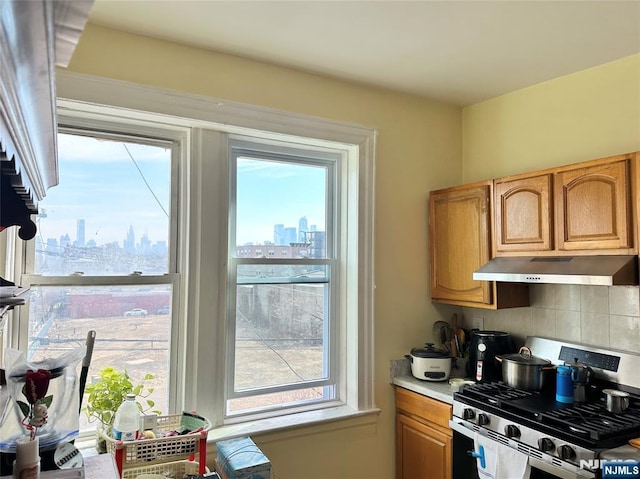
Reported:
(429, 363)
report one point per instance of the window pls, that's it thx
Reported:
(262, 305)
(282, 312)
(102, 258)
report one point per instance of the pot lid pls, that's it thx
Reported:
(429, 351)
(524, 356)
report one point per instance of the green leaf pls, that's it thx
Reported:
(24, 407)
(106, 395)
(47, 400)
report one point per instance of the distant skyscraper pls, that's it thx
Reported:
(79, 233)
(318, 240)
(289, 235)
(278, 234)
(65, 241)
(130, 242)
(145, 244)
(303, 229)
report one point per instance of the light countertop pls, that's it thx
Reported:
(440, 390)
(401, 376)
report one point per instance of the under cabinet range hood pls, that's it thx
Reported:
(591, 270)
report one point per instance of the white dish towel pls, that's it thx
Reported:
(500, 461)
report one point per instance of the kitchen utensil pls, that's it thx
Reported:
(458, 336)
(483, 348)
(564, 384)
(524, 370)
(616, 401)
(442, 334)
(429, 363)
(453, 348)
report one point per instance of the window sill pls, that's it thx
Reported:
(331, 417)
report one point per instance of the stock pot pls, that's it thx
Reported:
(523, 370)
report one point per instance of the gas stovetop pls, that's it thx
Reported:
(588, 424)
(565, 440)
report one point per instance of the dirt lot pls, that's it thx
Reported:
(140, 345)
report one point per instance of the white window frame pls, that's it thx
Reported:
(104, 126)
(332, 161)
(207, 122)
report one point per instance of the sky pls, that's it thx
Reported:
(270, 193)
(100, 183)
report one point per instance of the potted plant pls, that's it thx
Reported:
(107, 393)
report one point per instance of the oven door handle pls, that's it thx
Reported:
(462, 429)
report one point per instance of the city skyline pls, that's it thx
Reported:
(282, 235)
(113, 184)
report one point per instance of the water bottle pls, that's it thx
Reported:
(126, 424)
(564, 385)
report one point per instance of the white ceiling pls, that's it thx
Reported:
(460, 52)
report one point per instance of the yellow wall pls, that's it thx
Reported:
(418, 149)
(587, 115)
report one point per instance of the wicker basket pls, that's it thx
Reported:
(148, 452)
(172, 470)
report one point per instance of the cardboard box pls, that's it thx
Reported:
(241, 459)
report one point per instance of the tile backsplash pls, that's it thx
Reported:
(606, 316)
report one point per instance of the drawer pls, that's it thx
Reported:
(423, 407)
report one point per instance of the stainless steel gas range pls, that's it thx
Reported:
(560, 440)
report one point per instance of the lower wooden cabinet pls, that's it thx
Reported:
(423, 437)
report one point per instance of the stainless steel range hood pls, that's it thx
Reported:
(594, 270)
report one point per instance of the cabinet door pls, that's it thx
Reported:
(523, 214)
(459, 227)
(592, 207)
(421, 451)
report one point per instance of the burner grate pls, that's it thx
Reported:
(592, 420)
(497, 392)
(589, 421)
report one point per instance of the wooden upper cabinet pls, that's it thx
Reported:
(523, 214)
(459, 232)
(593, 206)
(584, 208)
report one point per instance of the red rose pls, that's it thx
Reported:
(37, 384)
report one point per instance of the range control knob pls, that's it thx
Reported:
(511, 430)
(546, 445)
(566, 452)
(483, 419)
(468, 413)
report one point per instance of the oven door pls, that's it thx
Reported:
(465, 467)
